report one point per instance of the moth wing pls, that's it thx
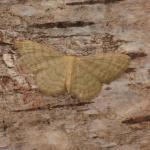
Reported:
(90, 72)
(27, 46)
(83, 84)
(51, 80)
(105, 67)
(34, 56)
(47, 65)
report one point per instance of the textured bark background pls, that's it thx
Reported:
(78, 27)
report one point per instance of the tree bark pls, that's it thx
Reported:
(118, 119)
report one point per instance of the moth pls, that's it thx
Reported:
(81, 76)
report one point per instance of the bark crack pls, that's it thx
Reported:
(62, 24)
(93, 2)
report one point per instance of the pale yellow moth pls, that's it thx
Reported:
(80, 76)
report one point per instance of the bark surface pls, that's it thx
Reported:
(118, 119)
